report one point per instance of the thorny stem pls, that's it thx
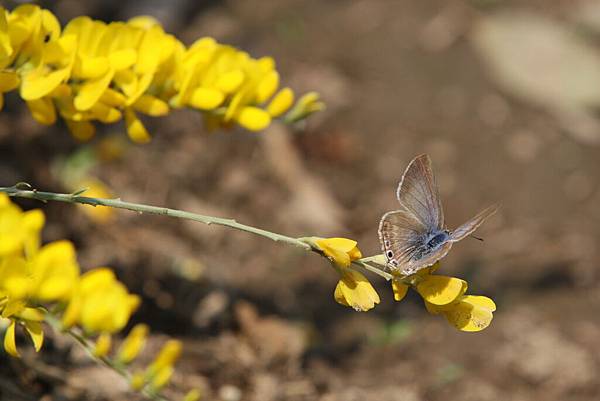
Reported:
(18, 192)
(83, 342)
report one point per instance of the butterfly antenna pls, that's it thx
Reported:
(477, 238)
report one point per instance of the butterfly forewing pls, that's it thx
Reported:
(400, 233)
(418, 193)
(471, 225)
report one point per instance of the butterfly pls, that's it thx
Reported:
(415, 237)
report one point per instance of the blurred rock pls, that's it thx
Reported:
(543, 62)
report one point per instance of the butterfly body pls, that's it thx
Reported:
(414, 237)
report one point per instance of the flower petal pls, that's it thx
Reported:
(206, 98)
(10, 344)
(400, 289)
(253, 118)
(357, 291)
(102, 346)
(472, 313)
(34, 329)
(281, 103)
(441, 290)
(135, 128)
(42, 110)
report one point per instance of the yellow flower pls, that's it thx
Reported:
(162, 377)
(355, 291)
(30, 319)
(55, 272)
(281, 102)
(102, 346)
(441, 290)
(468, 313)
(18, 230)
(341, 251)
(305, 106)
(133, 344)
(100, 303)
(167, 356)
(400, 289)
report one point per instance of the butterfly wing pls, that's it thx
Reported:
(401, 234)
(414, 265)
(419, 195)
(471, 225)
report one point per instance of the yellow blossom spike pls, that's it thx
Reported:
(133, 344)
(400, 289)
(10, 345)
(135, 128)
(354, 290)
(341, 251)
(281, 102)
(472, 313)
(441, 290)
(35, 332)
(102, 345)
(253, 118)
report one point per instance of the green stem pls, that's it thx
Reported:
(141, 208)
(15, 191)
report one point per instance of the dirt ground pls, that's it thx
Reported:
(257, 318)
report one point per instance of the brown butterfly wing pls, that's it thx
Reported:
(401, 234)
(471, 225)
(419, 195)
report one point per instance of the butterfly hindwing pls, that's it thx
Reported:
(418, 193)
(400, 233)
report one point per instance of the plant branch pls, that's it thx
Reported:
(17, 191)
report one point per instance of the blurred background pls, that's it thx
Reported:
(503, 95)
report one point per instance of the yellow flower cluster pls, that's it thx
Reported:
(446, 296)
(93, 71)
(32, 275)
(442, 295)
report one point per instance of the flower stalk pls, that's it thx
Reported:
(23, 190)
